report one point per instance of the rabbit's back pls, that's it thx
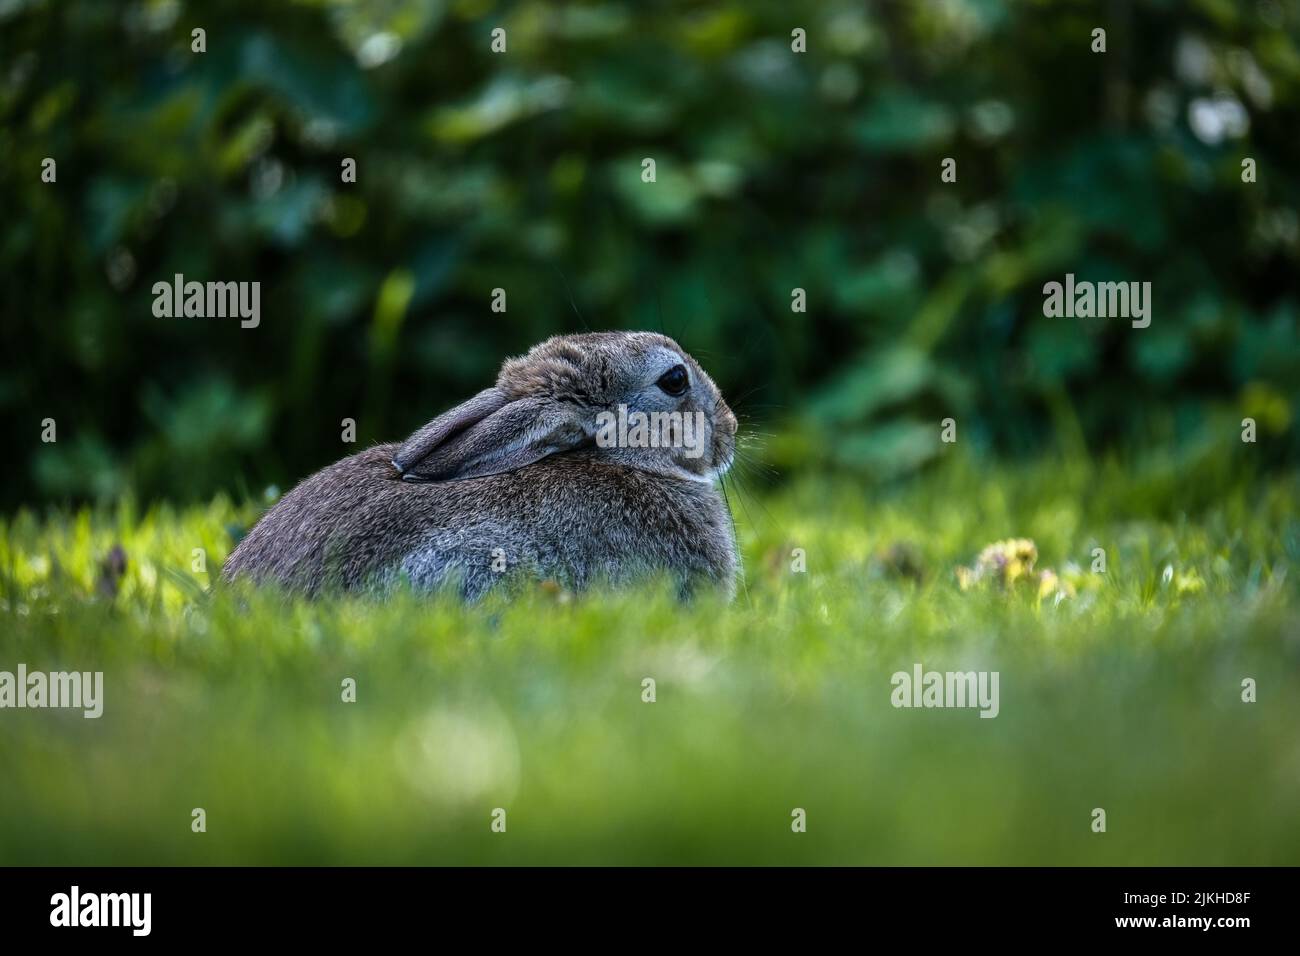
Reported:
(356, 525)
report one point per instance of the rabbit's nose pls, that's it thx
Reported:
(728, 422)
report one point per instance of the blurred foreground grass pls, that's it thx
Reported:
(1125, 695)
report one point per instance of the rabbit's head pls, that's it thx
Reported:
(634, 398)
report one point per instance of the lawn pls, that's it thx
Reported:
(1120, 690)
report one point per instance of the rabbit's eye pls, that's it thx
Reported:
(675, 381)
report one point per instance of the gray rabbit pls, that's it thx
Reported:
(550, 474)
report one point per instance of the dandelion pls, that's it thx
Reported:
(1004, 563)
(1010, 564)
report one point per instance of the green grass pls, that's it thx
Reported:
(1125, 696)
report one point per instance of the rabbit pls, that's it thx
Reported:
(529, 479)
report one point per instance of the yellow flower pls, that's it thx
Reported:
(1049, 584)
(1007, 561)
(1010, 563)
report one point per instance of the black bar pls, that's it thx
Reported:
(331, 906)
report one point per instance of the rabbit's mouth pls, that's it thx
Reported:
(725, 429)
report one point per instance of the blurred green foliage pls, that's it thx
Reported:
(521, 170)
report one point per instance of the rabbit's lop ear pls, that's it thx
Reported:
(446, 426)
(487, 436)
